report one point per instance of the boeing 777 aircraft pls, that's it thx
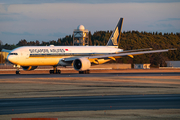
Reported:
(80, 57)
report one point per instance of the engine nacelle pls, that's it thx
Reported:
(28, 68)
(81, 64)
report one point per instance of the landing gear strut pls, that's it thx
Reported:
(84, 72)
(55, 70)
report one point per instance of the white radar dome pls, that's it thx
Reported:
(80, 27)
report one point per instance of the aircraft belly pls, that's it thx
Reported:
(40, 61)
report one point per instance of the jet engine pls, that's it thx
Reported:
(28, 68)
(81, 64)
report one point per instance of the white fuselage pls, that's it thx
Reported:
(52, 55)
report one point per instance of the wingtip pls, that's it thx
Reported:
(173, 49)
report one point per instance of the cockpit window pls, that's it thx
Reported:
(13, 54)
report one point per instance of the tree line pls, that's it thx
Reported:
(129, 40)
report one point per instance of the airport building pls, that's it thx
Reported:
(142, 66)
(80, 36)
(173, 63)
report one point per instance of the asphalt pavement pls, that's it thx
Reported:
(87, 103)
(12, 76)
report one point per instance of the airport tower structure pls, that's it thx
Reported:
(80, 36)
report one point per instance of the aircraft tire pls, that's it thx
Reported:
(55, 72)
(17, 72)
(58, 72)
(80, 72)
(84, 72)
(51, 71)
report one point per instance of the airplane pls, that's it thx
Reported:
(80, 57)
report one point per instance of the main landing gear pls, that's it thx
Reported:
(55, 70)
(84, 72)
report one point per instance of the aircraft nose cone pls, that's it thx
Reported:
(10, 58)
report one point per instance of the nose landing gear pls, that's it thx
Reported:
(17, 69)
(17, 72)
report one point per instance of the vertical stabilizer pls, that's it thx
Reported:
(114, 40)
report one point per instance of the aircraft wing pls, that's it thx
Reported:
(131, 54)
(121, 54)
(136, 50)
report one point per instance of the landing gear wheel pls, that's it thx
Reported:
(17, 69)
(51, 71)
(81, 72)
(17, 72)
(84, 72)
(58, 72)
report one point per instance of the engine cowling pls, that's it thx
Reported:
(81, 64)
(28, 68)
